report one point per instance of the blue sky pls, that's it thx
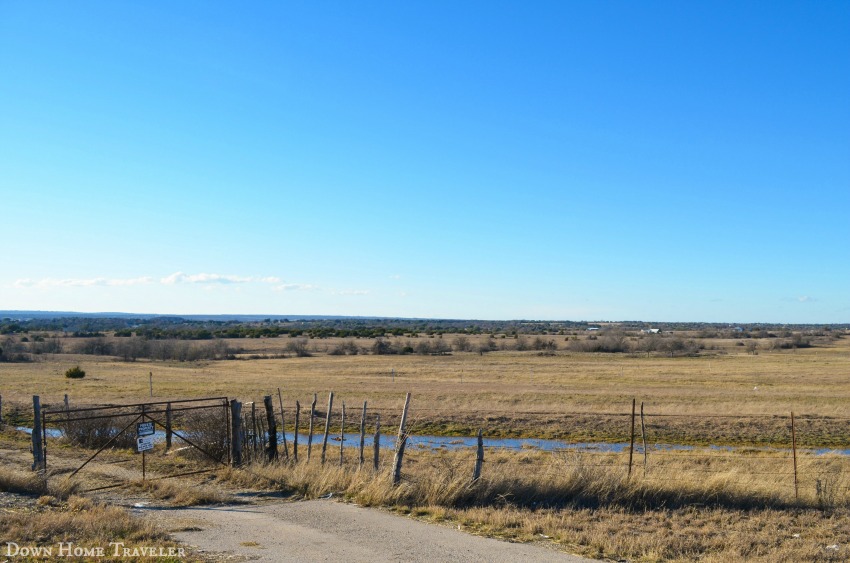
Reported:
(495, 160)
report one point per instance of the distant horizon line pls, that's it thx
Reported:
(254, 316)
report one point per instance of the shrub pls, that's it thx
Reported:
(75, 373)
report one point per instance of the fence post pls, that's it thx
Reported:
(632, 443)
(362, 434)
(400, 443)
(479, 458)
(37, 437)
(327, 426)
(168, 427)
(643, 437)
(295, 437)
(254, 435)
(283, 425)
(236, 432)
(377, 442)
(794, 449)
(310, 432)
(341, 434)
(67, 403)
(272, 451)
(1, 412)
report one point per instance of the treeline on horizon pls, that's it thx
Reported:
(168, 327)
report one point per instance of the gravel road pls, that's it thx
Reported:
(325, 530)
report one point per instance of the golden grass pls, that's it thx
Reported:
(83, 522)
(507, 393)
(589, 506)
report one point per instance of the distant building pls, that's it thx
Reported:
(593, 328)
(651, 331)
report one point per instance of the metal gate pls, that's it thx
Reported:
(155, 440)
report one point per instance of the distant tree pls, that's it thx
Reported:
(462, 344)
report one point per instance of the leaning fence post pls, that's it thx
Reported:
(794, 449)
(632, 443)
(327, 426)
(295, 436)
(643, 436)
(283, 425)
(376, 443)
(362, 434)
(341, 434)
(272, 451)
(236, 432)
(37, 437)
(168, 427)
(479, 458)
(400, 443)
(310, 432)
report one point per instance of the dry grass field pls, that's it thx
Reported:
(702, 504)
(503, 392)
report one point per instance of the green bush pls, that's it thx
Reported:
(75, 373)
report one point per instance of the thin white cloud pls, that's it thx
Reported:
(173, 279)
(180, 277)
(805, 299)
(81, 282)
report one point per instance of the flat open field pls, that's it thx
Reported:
(724, 395)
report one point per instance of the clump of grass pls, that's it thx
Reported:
(81, 521)
(182, 493)
(31, 483)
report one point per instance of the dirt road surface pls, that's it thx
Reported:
(325, 530)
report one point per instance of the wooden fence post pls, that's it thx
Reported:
(632, 443)
(236, 433)
(283, 425)
(295, 436)
(310, 432)
(168, 427)
(362, 434)
(643, 436)
(400, 443)
(254, 427)
(66, 402)
(1, 412)
(376, 444)
(327, 426)
(37, 436)
(272, 451)
(341, 434)
(794, 449)
(479, 458)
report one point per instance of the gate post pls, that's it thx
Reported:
(236, 433)
(272, 451)
(168, 427)
(37, 436)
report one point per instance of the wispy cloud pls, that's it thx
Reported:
(82, 282)
(173, 279)
(806, 299)
(180, 277)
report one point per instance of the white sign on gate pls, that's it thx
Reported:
(144, 444)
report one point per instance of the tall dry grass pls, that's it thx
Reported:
(571, 479)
